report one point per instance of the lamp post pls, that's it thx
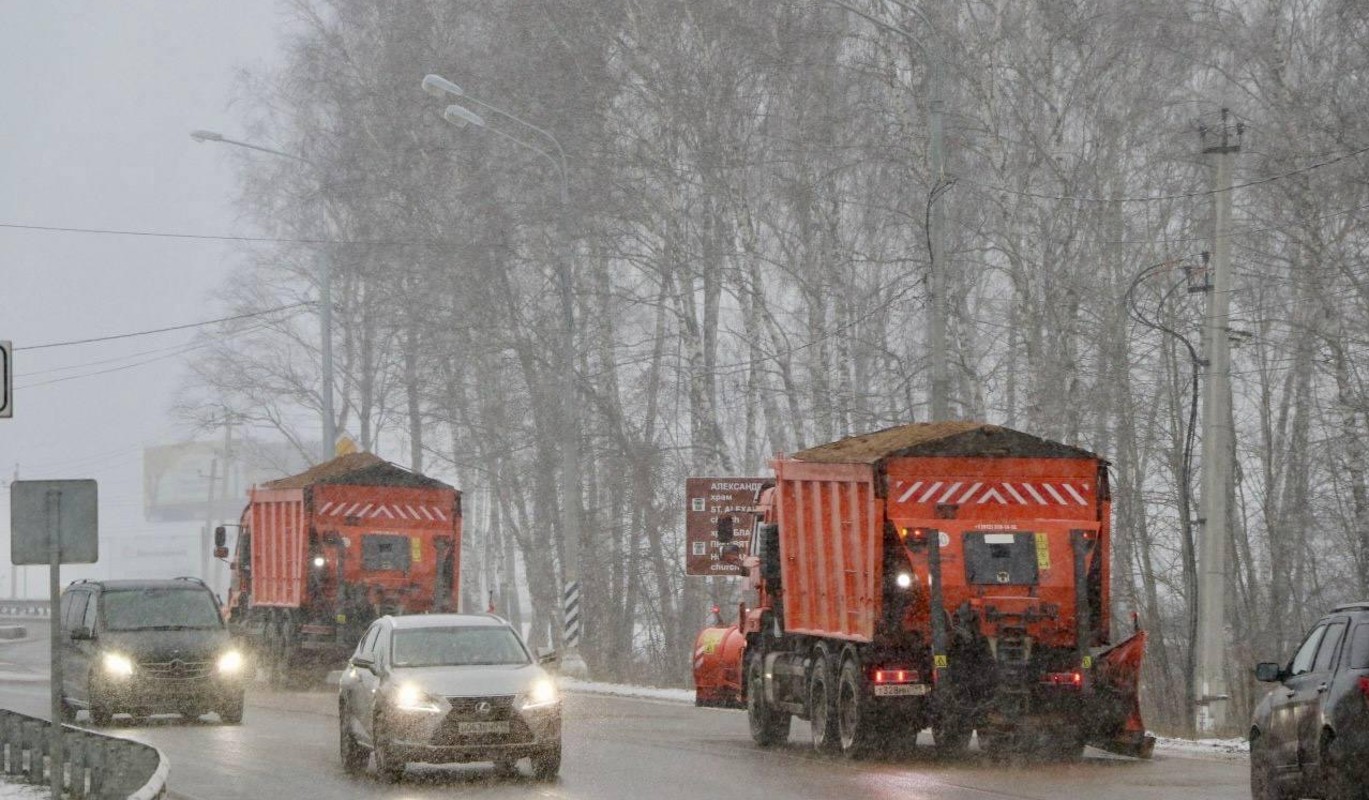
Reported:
(572, 662)
(936, 233)
(325, 270)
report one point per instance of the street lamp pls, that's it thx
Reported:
(325, 296)
(936, 235)
(571, 662)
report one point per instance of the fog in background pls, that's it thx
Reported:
(98, 99)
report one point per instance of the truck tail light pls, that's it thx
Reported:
(1364, 686)
(891, 675)
(1068, 679)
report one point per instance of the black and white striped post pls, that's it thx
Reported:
(572, 626)
(570, 614)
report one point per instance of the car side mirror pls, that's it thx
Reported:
(548, 657)
(1268, 672)
(361, 662)
(82, 634)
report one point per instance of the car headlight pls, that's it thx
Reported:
(543, 693)
(230, 663)
(117, 666)
(411, 698)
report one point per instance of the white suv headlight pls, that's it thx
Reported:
(409, 697)
(541, 694)
(117, 665)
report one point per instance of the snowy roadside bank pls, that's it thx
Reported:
(1217, 749)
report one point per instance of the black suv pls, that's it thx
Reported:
(1311, 733)
(147, 647)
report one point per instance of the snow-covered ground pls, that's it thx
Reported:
(22, 791)
(1215, 748)
(621, 690)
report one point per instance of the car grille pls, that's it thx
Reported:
(176, 670)
(468, 709)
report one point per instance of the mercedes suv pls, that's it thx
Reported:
(147, 647)
(1310, 734)
(447, 688)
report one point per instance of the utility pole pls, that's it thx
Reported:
(936, 279)
(14, 570)
(1218, 440)
(934, 49)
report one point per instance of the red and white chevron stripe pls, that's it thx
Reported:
(398, 511)
(1027, 493)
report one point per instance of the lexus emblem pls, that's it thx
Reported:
(483, 708)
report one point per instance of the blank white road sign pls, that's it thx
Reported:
(67, 507)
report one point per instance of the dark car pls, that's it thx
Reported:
(447, 688)
(147, 647)
(1310, 735)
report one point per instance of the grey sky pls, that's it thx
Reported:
(96, 102)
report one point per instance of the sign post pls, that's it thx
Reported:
(54, 523)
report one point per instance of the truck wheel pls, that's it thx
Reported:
(822, 705)
(768, 726)
(855, 712)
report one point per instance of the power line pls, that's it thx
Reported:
(1181, 196)
(165, 330)
(221, 237)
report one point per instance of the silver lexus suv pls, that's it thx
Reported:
(444, 689)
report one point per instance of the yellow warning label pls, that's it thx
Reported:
(415, 549)
(1088, 662)
(942, 662)
(708, 642)
(1043, 552)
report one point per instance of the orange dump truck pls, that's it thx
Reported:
(944, 575)
(322, 554)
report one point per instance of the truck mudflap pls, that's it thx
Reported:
(718, 654)
(1117, 726)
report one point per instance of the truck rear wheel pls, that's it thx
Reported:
(822, 704)
(769, 727)
(855, 712)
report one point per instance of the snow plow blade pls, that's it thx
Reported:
(718, 667)
(1116, 676)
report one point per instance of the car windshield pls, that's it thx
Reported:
(160, 609)
(457, 647)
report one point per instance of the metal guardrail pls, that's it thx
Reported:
(41, 609)
(94, 766)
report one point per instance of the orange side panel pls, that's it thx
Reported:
(279, 543)
(830, 528)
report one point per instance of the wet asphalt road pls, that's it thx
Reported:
(614, 748)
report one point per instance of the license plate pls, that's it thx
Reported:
(902, 690)
(482, 727)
